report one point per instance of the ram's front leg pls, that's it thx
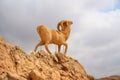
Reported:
(66, 47)
(59, 48)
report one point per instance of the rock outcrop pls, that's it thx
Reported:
(114, 77)
(15, 64)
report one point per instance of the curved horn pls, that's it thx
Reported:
(58, 26)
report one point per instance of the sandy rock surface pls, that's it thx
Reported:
(15, 64)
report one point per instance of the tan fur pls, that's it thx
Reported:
(57, 37)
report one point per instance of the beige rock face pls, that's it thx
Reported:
(15, 64)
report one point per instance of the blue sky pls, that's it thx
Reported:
(117, 6)
(95, 34)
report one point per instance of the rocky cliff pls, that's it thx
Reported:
(15, 64)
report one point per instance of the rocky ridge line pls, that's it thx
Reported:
(15, 64)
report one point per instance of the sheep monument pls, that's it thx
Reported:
(57, 37)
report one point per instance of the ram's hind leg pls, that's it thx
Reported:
(39, 44)
(46, 47)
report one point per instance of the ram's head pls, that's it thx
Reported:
(63, 24)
